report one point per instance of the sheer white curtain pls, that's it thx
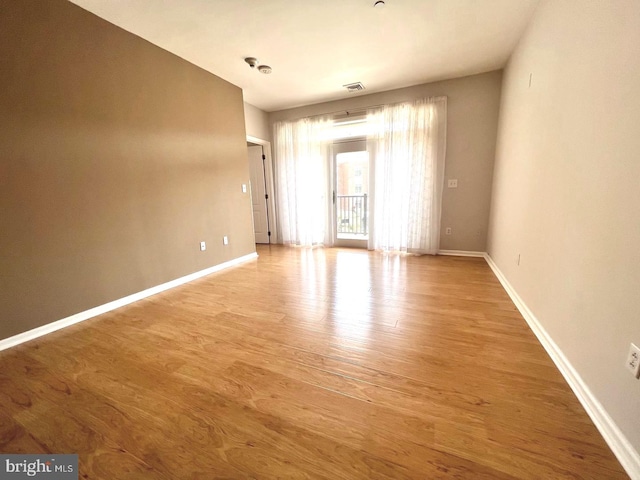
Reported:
(302, 181)
(406, 145)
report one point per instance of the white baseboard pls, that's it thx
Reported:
(99, 310)
(628, 457)
(461, 253)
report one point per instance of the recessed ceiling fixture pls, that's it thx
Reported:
(354, 87)
(379, 4)
(252, 61)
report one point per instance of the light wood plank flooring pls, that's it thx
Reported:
(326, 363)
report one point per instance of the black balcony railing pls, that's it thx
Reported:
(351, 211)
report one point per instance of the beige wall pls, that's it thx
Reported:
(472, 118)
(256, 122)
(116, 160)
(566, 193)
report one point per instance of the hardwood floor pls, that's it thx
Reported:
(334, 364)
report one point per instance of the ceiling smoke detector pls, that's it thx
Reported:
(264, 69)
(378, 4)
(354, 87)
(252, 61)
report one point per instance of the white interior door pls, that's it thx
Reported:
(258, 194)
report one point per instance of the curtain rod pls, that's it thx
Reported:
(356, 110)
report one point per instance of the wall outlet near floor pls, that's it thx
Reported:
(633, 360)
(203, 246)
(452, 183)
(447, 231)
(225, 240)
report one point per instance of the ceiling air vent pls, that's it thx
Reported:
(354, 87)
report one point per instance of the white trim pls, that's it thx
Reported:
(256, 140)
(461, 253)
(107, 307)
(350, 243)
(628, 457)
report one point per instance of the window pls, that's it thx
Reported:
(355, 126)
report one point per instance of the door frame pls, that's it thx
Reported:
(357, 144)
(268, 171)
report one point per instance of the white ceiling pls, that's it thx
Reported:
(317, 46)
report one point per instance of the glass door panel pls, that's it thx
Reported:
(351, 199)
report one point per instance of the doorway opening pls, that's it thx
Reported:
(351, 210)
(261, 187)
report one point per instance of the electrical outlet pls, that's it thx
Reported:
(452, 183)
(225, 240)
(633, 360)
(244, 188)
(203, 246)
(447, 231)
